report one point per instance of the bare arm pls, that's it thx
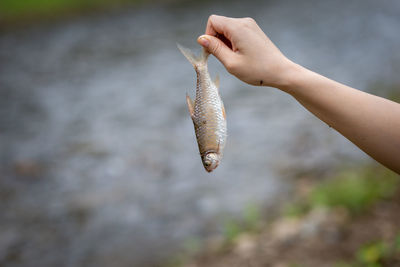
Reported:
(370, 122)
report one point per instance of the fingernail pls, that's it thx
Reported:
(204, 41)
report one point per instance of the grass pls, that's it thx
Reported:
(353, 189)
(249, 222)
(375, 254)
(372, 254)
(356, 189)
(397, 243)
(22, 11)
(190, 247)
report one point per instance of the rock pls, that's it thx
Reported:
(312, 223)
(245, 245)
(28, 168)
(285, 229)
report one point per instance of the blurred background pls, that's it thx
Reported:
(98, 161)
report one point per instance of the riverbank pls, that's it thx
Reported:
(348, 220)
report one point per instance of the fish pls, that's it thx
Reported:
(207, 111)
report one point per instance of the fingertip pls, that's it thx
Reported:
(204, 41)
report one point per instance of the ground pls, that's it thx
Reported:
(322, 236)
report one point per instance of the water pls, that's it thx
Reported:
(99, 165)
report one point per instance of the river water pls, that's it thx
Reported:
(99, 164)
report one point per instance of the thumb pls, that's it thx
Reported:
(216, 47)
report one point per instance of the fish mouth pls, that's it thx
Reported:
(211, 161)
(210, 169)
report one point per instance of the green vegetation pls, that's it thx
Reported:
(386, 90)
(20, 11)
(352, 193)
(372, 254)
(11, 8)
(251, 217)
(190, 247)
(395, 96)
(232, 230)
(397, 243)
(249, 222)
(296, 209)
(375, 254)
(354, 190)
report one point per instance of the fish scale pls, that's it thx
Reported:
(207, 112)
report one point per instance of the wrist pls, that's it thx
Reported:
(290, 75)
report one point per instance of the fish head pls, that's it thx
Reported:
(211, 161)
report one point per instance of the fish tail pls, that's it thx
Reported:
(197, 61)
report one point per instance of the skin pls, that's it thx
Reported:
(372, 123)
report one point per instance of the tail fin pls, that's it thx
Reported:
(196, 61)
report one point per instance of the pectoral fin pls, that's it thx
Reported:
(223, 111)
(190, 105)
(216, 81)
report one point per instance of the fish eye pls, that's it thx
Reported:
(211, 161)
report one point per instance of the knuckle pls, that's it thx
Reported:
(248, 21)
(213, 18)
(215, 48)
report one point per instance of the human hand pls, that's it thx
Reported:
(245, 51)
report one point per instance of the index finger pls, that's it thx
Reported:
(218, 25)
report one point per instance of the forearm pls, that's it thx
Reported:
(370, 122)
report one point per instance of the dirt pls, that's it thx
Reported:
(320, 238)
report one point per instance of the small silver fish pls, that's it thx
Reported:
(207, 112)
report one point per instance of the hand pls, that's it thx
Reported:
(245, 51)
